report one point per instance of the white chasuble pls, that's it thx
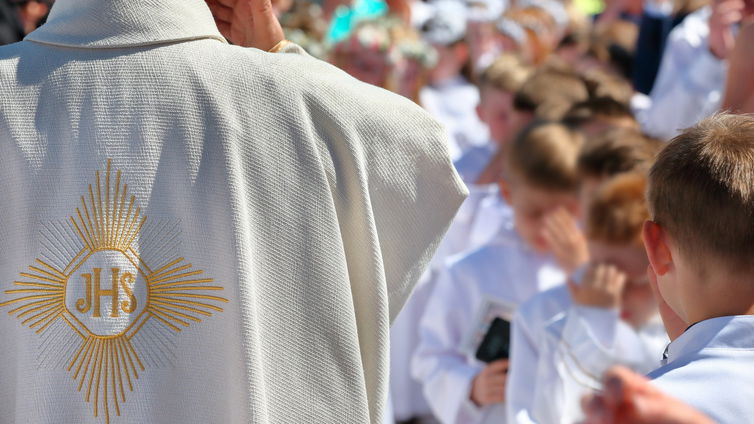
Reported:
(194, 232)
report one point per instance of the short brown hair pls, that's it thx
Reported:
(550, 93)
(617, 151)
(599, 108)
(701, 189)
(545, 155)
(618, 211)
(507, 73)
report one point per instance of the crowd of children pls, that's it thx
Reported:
(559, 266)
(555, 114)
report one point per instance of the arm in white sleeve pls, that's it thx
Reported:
(521, 388)
(689, 86)
(439, 362)
(597, 339)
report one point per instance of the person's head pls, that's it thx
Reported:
(32, 12)
(700, 239)
(614, 221)
(549, 93)
(445, 30)
(497, 86)
(617, 151)
(365, 54)
(413, 58)
(540, 176)
(596, 115)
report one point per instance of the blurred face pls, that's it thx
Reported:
(638, 304)
(496, 110)
(450, 61)
(531, 205)
(589, 187)
(368, 66)
(410, 73)
(481, 38)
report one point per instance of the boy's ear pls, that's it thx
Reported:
(656, 245)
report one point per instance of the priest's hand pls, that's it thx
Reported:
(247, 23)
(630, 398)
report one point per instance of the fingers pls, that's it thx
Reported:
(220, 11)
(496, 367)
(267, 31)
(595, 409)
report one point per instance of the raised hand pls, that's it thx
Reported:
(725, 13)
(601, 287)
(248, 23)
(566, 240)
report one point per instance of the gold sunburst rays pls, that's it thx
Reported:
(108, 357)
(105, 225)
(42, 296)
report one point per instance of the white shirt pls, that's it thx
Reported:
(256, 222)
(711, 366)
(483, 218)
(503, 270)
(561, 350)
(473, 161)
(454, 103)
(690, 82)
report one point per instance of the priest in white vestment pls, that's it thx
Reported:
(197, 232)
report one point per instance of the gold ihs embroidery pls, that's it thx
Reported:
(97, 298)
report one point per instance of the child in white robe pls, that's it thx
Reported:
(566, 338)
(699, 243)
(505, 272)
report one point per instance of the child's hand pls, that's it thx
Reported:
(565, 239)
(602, 287)
(488, 387)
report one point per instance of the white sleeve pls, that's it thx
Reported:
(521, 388)
(439, 362)
(689, 87)
(597, 339)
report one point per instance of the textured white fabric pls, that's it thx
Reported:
(504, 270)
(289, 210)
(711, 366)
(561, 350)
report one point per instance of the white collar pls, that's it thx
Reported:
(731, 332)
(108, 24)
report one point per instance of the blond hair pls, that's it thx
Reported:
(545, 155)
(507, 73)
(618, 211)
(701, 189)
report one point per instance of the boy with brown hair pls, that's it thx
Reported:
(550, 92)
(613, 152)
(566, 337)
(700, 243)
(542, 175)
(498, 85)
